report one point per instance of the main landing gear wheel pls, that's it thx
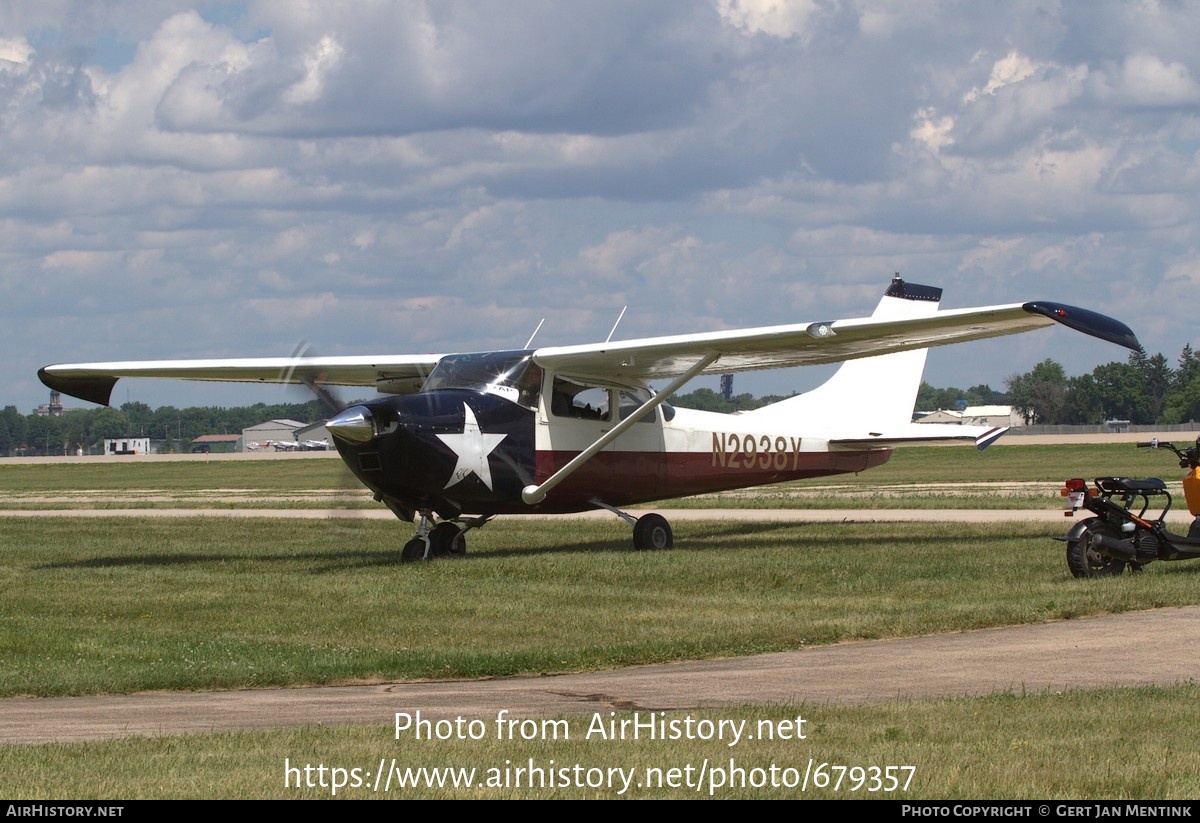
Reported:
(1084, 561)
(652, 531)
(446, 539)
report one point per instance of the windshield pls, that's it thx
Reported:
(510, 374)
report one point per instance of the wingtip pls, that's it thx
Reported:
(1089, 322)
(91, 388)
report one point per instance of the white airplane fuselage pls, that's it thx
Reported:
(459, 450)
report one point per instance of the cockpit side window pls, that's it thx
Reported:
(631, 401)
(582, 402)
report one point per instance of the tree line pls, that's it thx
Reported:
(87, 429)
(1143, 390)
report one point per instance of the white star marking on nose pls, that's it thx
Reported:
(472, 448)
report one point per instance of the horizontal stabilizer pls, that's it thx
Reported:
(923, 434)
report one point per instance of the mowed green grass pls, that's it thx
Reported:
(127, 604)
(279, 475)
(120, 605)
(1111, 744)
(1009, 460)
(927, 477)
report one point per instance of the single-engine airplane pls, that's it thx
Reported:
(572, 428)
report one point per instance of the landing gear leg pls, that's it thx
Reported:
(419, 547)
(650, 531)
(458, 546)
(446, 539)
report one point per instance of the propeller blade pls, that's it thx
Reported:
(314, 381)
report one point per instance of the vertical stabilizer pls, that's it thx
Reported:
(872, 394)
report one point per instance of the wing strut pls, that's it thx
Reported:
(533, 495)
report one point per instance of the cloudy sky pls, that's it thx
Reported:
(182, 179)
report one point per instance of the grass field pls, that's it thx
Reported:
(121, 605)
(1002, 477)
(124, 605)
(1117, 744)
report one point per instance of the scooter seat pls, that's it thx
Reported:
(1128, 484)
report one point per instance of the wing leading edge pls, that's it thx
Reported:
(628, 361)
(94, 381)
(815, 343)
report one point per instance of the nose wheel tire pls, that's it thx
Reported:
(651, 532)
(446, 539)
(413, 550)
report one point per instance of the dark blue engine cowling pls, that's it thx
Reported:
(451, 451)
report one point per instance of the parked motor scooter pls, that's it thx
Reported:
(1121, 535)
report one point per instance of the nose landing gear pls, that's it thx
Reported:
(445, 539)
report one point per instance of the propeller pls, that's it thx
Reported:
(345, 422)
(296, 372)
(334, 408)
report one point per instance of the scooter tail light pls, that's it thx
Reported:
(1073, 492)
(1075, 484)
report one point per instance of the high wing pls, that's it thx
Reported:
(822, 342)
(398, 374)
(634, 361)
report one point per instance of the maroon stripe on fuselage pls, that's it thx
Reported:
(628, 478)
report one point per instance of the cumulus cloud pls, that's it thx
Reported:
(1146, 80)
(14, 53)
(403, 68)
(436, 175)
(779, 19)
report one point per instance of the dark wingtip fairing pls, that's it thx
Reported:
(1086, 321)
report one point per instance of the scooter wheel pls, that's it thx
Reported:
(1083, 561)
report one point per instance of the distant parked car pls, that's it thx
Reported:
(202, 448)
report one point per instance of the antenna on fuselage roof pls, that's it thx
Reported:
(614, 328)
(535, 331)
